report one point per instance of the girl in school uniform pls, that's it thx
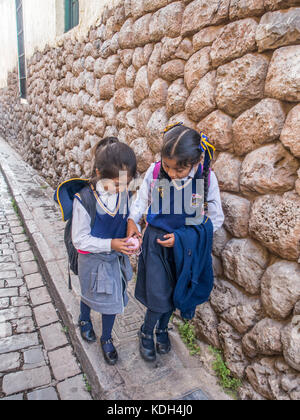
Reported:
(157, 276)
(103, 264)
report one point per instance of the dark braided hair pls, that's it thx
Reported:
(182, 144)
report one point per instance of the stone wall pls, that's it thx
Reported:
(232, 69)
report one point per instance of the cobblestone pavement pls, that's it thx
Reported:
(37, 361)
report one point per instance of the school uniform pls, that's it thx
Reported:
(156, 279)
(103, 272)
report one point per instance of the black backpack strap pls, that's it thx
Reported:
(70, 280)
(88, 200)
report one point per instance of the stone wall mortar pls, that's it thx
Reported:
(230, 68)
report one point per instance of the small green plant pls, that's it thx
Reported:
(15, 207)
(227, 381)
(65, 329)
(188, 336)
(87, 385)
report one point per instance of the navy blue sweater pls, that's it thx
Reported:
(194, 272)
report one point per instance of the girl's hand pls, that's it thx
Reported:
(132, 230)
(120, 245)
(170, 241)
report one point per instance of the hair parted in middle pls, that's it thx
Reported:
(182, 144)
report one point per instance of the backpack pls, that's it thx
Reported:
(64, 196)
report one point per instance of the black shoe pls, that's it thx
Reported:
(163, 344)
(111, 357)
(87, 334)
(147, 353)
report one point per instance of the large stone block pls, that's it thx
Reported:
(172, 70)
(141, 87)
(109, 111)
(283, 79)
(232, 347)
(126, 56)
(206, 324)
(158, 94)
(221, 237)
(265, 376)
(290, 134)
(275, 222)
(290, 338)
(139, 7)
(138, 58)
(166, 22)
(155, 129)
(202, 99)
(130, 76)
(244, 8)
(196, 67)
(269, 169)
(141, 30)
(280, 4)
(169, 48)
(235, 40)
(235, 307)
(143, 154)
(206, 37)
(245, 262)
(127, 35)
(218, 127)
(264, 338)
(182, 117)
(120, 77)
(259, 125)
(240, 84)
(154, 63)
(107, 86)
(278, 28)
(201, 13)
(227, 168)
(237, 213)
(176, 97)
(280, 289)
(124, 99)
(144, 115)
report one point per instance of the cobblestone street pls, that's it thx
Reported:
(37, 361)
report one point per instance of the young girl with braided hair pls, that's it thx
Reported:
(175, 266)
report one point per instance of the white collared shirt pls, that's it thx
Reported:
(215, 212)
(81, 224)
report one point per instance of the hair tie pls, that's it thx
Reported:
(205, 146)
(169, 127)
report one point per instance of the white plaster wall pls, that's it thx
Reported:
(43, 24)
(39, 24)
(8, 39)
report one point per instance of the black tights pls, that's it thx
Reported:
(153, 318)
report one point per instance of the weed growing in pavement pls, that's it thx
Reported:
(188, 336)
(15, 207)
(87, 385)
